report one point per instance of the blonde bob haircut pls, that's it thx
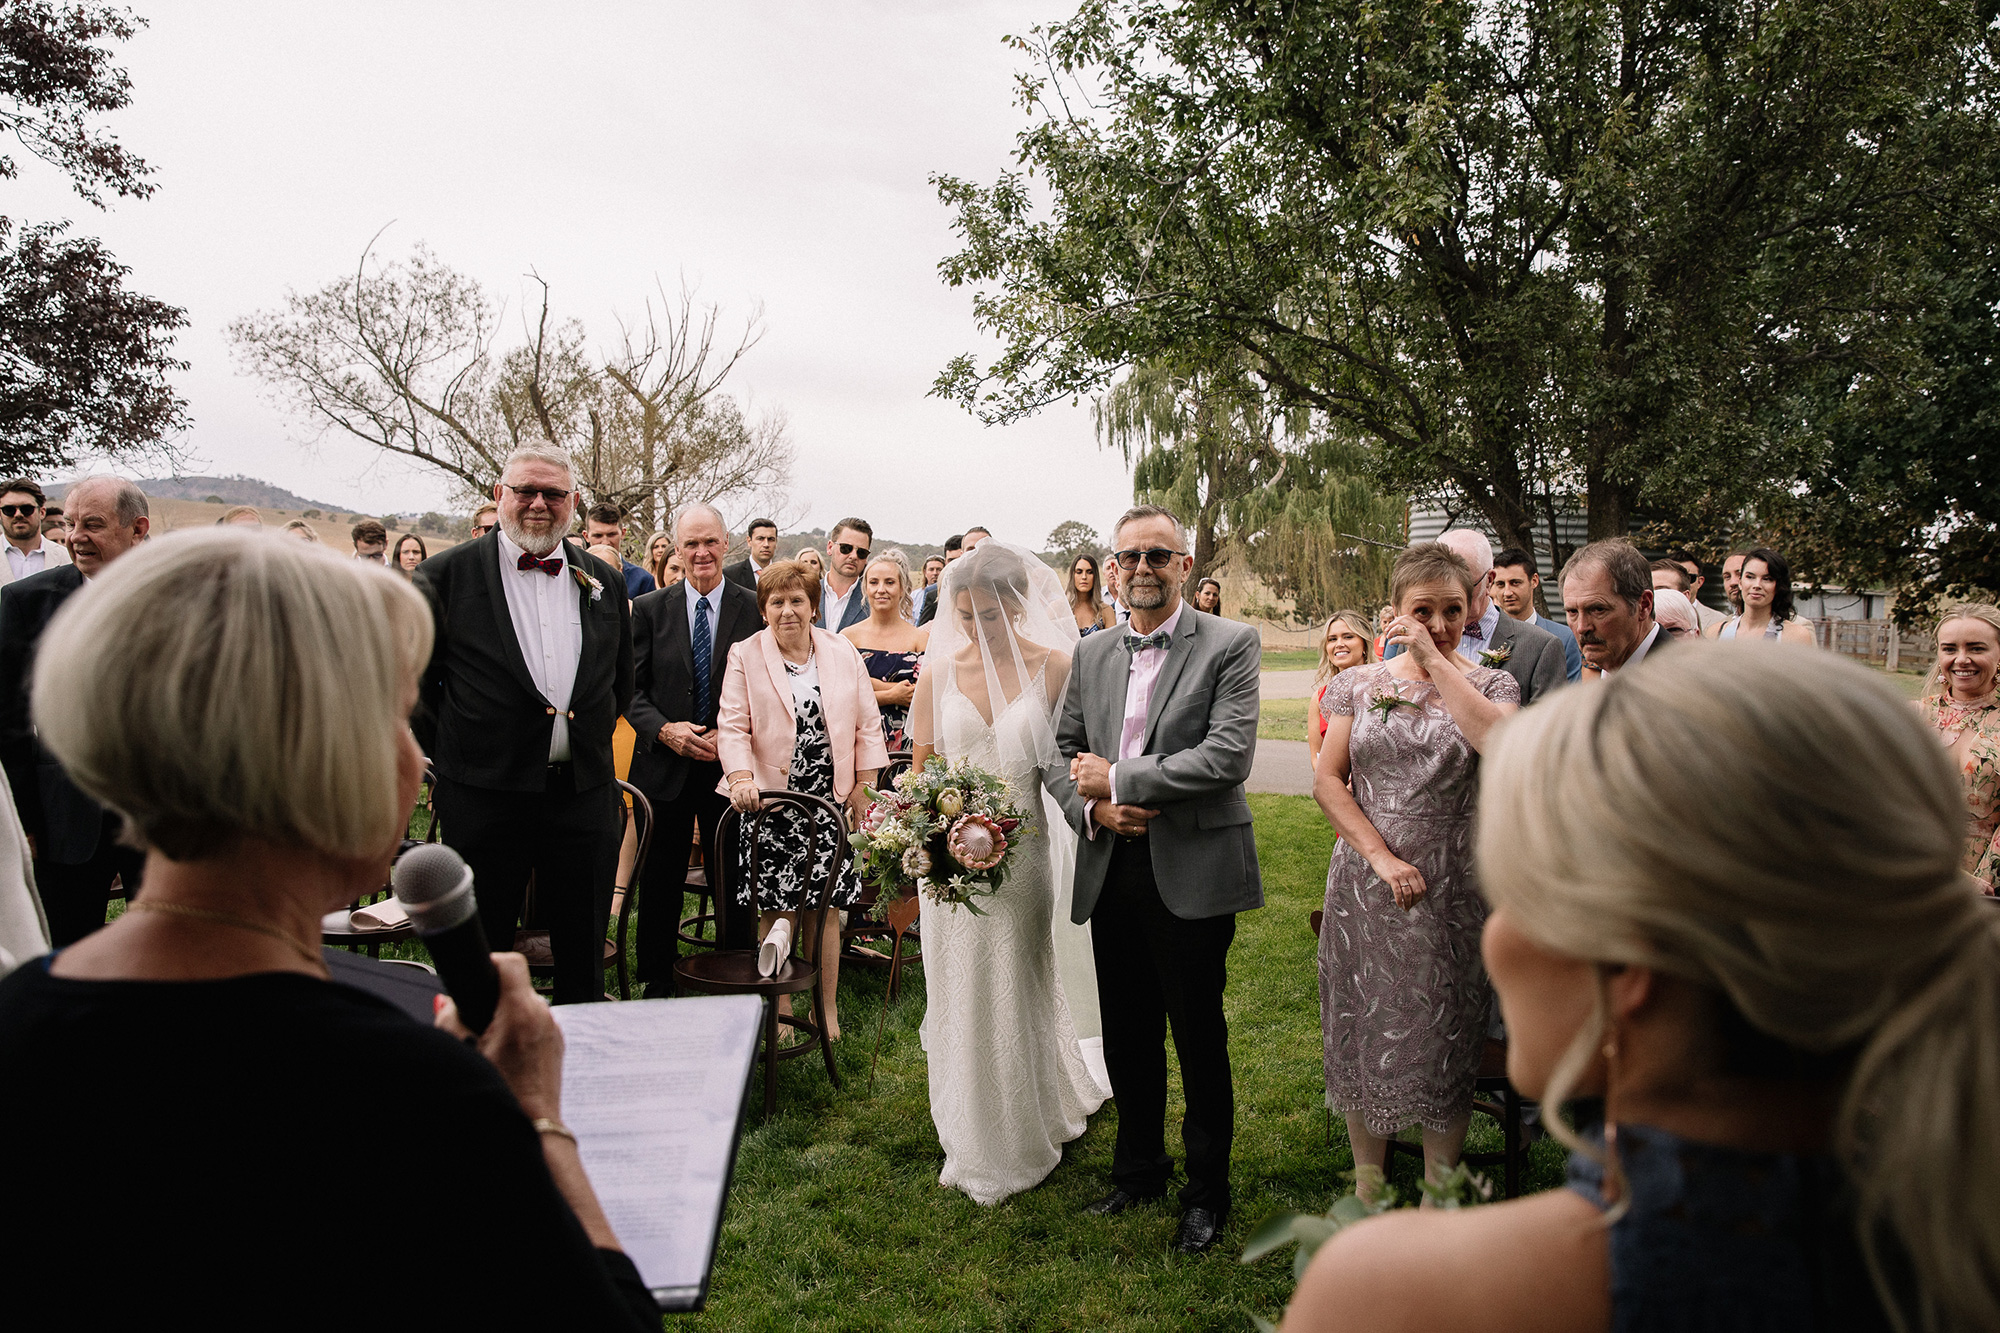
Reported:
(1834, 920)
(259, 688)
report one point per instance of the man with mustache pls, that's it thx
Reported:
(1607, 590)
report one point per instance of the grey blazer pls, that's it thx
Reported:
(1536, 661)
(1201, 733)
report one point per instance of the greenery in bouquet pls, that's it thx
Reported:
(946, 830)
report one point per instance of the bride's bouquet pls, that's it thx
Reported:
(944, 828)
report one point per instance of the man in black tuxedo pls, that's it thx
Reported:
(73, 839)
(761, 537)
(1607, 591)
(681, 637)
(531, 669)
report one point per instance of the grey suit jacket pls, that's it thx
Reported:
(1201, 734)
(1535, 660)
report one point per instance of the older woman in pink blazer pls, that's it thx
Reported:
(798, 712)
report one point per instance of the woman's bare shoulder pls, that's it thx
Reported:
(1536, 1265)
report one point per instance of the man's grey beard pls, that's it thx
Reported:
(535, 545)
(1144, 594)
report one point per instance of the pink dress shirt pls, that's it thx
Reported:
(1147, 664)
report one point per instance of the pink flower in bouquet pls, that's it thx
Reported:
(976, 843)
(878, 815)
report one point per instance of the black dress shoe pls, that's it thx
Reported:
(1115, 1203)
(1199, 1229)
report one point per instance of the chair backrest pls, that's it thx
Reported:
(642, 813)
(818, 815)
(899, 764)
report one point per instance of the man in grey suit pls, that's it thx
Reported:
(1528, 653)
(1160, 723)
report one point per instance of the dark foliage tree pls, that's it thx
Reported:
(84, 362)
(1519, 249)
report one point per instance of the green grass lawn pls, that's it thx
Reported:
(836, 1219)
(1290, 659)
(1282, 719)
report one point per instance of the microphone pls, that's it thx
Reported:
(434, 885)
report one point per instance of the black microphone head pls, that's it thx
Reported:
(434, 885)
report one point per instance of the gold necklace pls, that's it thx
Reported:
(229, 919)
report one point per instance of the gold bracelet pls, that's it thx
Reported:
(556, 1127)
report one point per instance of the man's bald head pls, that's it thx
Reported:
(1476, 551)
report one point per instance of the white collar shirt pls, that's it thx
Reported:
(548, 622)
(714, 599)
(832, 608)
(24, 563)
(1639, 653)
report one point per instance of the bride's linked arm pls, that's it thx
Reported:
(1222, 759)
(922, 722)
(1072, 739)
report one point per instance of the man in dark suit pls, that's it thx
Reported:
(681, 637)
(73, 839)
(954, 547)
(762, 539)
(530, 671)
(1607, 591)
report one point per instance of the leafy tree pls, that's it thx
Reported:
(314, 513)
(84, 363)
(1072, 538)
(432, 521)
(1518, 249)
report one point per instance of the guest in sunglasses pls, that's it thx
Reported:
(841, 601)
(29, 549)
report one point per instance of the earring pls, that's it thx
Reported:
(1614, 1175)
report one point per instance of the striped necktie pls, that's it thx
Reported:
(704, 650)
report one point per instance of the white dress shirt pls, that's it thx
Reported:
(23, 563)
(1639, 653)
(714, 599)
(548, 621)
(832, 609)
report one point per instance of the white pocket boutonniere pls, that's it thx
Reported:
(1496, 657)
(584, 580)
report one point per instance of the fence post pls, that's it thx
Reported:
(1894, 656)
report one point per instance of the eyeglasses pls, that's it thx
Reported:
(847, 548)
(18, 511)
(550, 497)
(1159, 557)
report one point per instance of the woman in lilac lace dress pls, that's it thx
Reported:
(1403, 995)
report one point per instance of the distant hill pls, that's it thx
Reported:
(230, 490)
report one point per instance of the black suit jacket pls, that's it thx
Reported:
(66, 824)
(742, 575)
(663, 679)
(480, 718)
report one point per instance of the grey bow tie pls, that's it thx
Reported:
(1137, 642)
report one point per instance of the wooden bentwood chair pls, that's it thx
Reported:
(734, 971)
(534, 944)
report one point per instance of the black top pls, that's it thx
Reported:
(663, 676)
(68, 824)
(481, 719)
(1719, 1239)
(274, 1151)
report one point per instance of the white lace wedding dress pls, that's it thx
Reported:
(1008, 1083)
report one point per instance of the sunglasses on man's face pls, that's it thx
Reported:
(847, 548)
(1159, 557)
(550, 497)
(18, 511)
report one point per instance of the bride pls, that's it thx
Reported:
(1008, 1082)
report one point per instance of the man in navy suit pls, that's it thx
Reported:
(841, 601)
(1515, 579)
(604, 525)
(73, 839)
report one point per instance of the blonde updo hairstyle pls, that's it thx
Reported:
(1984, 612)
(1838, 925)
(238, 685)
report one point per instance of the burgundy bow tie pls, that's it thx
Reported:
(551, 566)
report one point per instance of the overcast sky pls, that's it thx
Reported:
(773, 152)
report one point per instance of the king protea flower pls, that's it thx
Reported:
(976, 843)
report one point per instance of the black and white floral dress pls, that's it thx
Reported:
(782, 870)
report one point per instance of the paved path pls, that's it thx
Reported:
(1287, 685)
(1282, 767)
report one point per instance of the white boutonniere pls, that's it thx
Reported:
(584, 580)
(1496, 657)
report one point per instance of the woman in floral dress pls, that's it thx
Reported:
(1403, 993)
(1961, 706)
(891, 647)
